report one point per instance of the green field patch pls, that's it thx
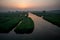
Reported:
(26, 26)
(8, 26)
(9, 20)
(53, 19)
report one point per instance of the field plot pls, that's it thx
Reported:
(26, 26)
(53, 18)
(9, 20)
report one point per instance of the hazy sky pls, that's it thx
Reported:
(30, 4)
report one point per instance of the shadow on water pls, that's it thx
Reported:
(26, 25)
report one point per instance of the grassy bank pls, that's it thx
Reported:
(26, 26)
(53, 17)
(9, 20)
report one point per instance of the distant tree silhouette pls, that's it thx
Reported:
(44, 11)
(26, 14)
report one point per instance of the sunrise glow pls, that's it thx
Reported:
(25, 4)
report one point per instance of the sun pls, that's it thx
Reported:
(23, 6)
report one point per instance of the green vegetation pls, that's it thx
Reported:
(26, 26)
(7, 26)
(51, 16)
(9, 20)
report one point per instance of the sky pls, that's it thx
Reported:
(30, 4)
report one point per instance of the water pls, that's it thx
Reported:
(43, 30)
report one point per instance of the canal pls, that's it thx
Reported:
(43, 30)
